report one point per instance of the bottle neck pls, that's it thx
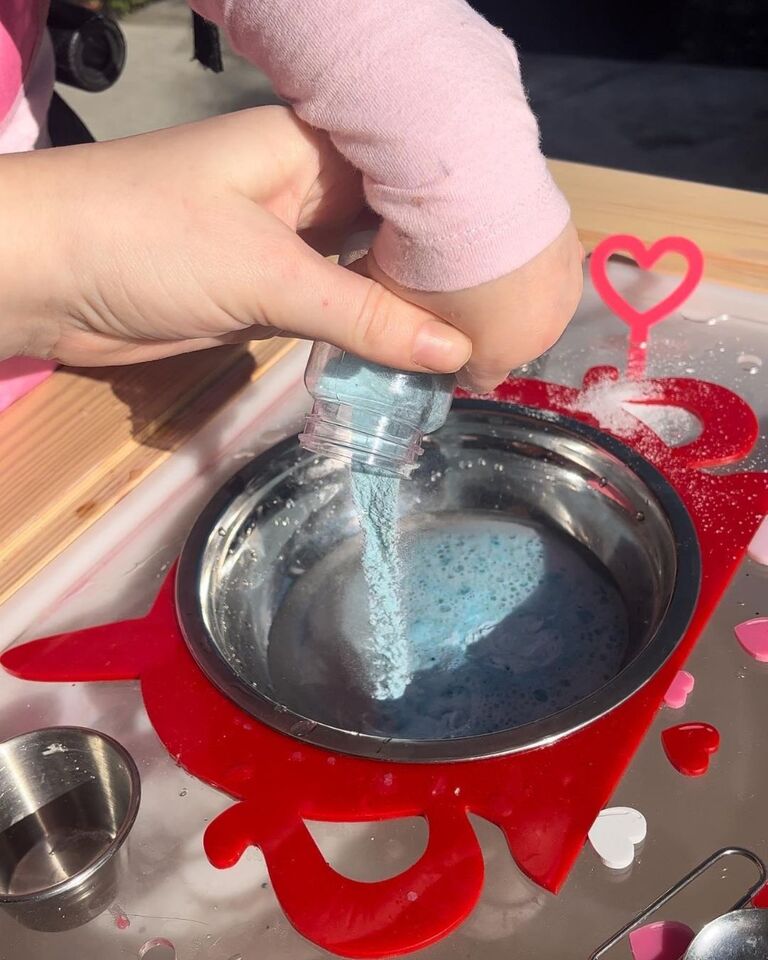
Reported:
(361, 435)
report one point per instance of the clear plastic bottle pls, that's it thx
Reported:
(368, 414)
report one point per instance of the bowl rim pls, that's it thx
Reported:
(669, 632)
(78, 879)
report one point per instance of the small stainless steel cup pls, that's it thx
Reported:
(68, 799)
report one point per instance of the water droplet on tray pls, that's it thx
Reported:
(750, 362)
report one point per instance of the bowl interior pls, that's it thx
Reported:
(538, 563)
(68, 794)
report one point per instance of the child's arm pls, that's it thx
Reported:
(425, 99)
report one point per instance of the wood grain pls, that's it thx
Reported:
(731, 226)
(84, 439)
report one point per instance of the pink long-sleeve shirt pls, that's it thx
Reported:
(424, 97)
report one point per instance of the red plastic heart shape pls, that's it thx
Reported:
(688, 747)
(760, 899)
(640, 320)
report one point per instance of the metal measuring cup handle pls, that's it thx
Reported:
(681, 885)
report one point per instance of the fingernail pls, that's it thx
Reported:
(440, 348)
(478, 387)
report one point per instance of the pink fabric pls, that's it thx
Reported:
(424, 97)
(25, 125)
(21, 26)
(26, 75)
(19, 375)
(26, 83)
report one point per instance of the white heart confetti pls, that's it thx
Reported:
(615, 834)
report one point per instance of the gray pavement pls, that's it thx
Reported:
(680, 120)
(161, 84)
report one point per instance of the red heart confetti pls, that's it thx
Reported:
(688, 747)
(753, 637)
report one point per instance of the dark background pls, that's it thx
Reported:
(721, 32)
(677, 89)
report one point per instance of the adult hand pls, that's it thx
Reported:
(191, 237)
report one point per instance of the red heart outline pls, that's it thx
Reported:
(639, 321)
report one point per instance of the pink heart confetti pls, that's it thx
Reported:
(679, 690)
(663, 940)
(758, 548)
(689, 746)
(753, 636)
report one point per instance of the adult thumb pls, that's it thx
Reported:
(315, 298)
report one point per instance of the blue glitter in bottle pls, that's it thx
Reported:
(366, 414)
(375, 419)
(370, 415)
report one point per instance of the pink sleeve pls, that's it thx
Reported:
(424, 97)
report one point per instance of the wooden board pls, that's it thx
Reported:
(84, 439)
(731, 226)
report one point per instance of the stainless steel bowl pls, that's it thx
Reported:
(569, 556)
(69, 799)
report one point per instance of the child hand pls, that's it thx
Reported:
(512, 320)
(187, 238)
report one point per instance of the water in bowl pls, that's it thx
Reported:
(507, 621)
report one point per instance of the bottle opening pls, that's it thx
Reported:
(361, 435)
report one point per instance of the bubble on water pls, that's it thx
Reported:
(468, 678)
